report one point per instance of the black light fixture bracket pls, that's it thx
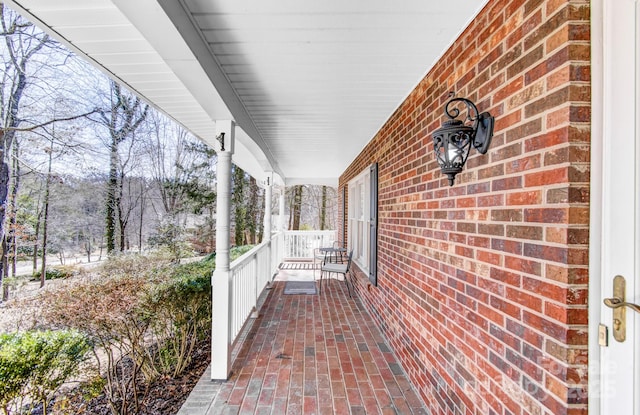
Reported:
(453, 141)
(220, 139)
(482, 123)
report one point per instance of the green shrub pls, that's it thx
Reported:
(34, 364)
(137, 302)
(237, 251)
(180, 310)
(107, 310)
(57, 272)
(132, 265)
(171, 236)
(11, 282)
(149, 309)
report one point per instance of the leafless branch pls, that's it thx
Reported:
(44, 124)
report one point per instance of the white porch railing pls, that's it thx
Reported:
(248, 276)
(300, 244)
(277, 251)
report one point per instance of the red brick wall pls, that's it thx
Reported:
(482, 287)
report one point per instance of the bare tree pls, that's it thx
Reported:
(45, 217)
(131, 211)
(323, 209)
(124, 116)
(312, 207)
(319, 207)
(295, 207)
(238, 204)
(255, 212)
(167, 151)
(130, 197)
(183, 171)
(11, 242)
(23, 42)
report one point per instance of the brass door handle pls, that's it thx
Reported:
(619, 305)
(617, 302)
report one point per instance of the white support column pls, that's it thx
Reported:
(268, 192)
(281, 226)
(220, 339)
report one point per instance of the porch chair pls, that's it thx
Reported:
(338, 268)
(320, 257)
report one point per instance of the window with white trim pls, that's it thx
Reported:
(362, 219)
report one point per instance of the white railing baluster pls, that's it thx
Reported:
(249, 275)
(301, 244)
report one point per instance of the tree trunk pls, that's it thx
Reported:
(110, 208)
(45, 218)
(35, 242)
(123, 118)
(4, 268)
(142, 204)
(123, 219)
(36, 237)
(212, 231)
(122, 226)
(7, 135)
(252, 210)
(238, 204)
(323, 209)
(13, 211)
(88, 245)
(297, 207)
(260, 219)
(4, 187)
(291, 210)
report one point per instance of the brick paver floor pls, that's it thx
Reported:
(314, 354)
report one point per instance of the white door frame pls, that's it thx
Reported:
(595, 205)
(614, 195)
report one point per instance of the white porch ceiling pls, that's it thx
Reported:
(309, 83)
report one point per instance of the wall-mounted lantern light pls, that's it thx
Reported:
(452, 142)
